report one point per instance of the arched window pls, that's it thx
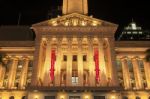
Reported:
(11, 97)
(125, 97)
(24, 97)
(137, 97)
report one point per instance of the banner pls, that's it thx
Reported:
(96, 59)
(52, 69)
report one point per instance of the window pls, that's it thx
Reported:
(24, 97)
(11, 97)
(74, 80)
(65, 58)
(84, 58)
(125, 97)
(74, 57)
(137, 97)
(49, 97)
(99, 97)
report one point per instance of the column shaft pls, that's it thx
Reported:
(47, 65)
(69, 64)
(137, 74)
(91, 62)
(58, 64)
(24, 73)
(126, 74)
(12, 73)
(147, 71)
(102, 66)
(80, 62)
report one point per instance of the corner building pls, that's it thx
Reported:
(74, 56)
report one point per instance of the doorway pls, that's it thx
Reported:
(99, 97)
(74, 97)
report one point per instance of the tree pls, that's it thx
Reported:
(147, 57)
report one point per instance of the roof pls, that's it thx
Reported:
(16, 33)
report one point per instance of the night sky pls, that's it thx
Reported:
(117, 11)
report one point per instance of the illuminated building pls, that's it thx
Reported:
(133, 32)
(74, 56)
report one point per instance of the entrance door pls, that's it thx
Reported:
(74, 97)
(99, 97)
(49, 97)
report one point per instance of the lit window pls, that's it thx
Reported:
(128, 32)
(74, 80)
(134, 32)
(134, 26)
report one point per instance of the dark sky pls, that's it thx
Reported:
(117, 11)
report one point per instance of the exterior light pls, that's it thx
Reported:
(61, 97)
(112, 97)
(36, 97)
(67, 23)
(133, 26)
(54, 23)
(83, 23)
(86, 97)
(94, 23)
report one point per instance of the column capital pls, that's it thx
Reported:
(123, 58)
(134, 58)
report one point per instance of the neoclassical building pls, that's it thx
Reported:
(74, 56)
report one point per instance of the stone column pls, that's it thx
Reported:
(137, 73)
(24, 73)
(58, 62)
(80, 62)
(12, 73)
(3, 72)
(35, 72)
(102, 66)
(47, 65)
(111, 61)
(126, 74)
(91, 62)
(147, 72)
(69, 63)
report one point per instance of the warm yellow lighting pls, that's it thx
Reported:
(54, 23)
(83, 23)
(112, 97)
(67, 23)
(61, 97)
(94, 23)
(86, 97)
(36, 97)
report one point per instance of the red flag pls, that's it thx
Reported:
(96, 59)
(53, 59)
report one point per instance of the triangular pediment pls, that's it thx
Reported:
(74, 19)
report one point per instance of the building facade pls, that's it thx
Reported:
(74, 56)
